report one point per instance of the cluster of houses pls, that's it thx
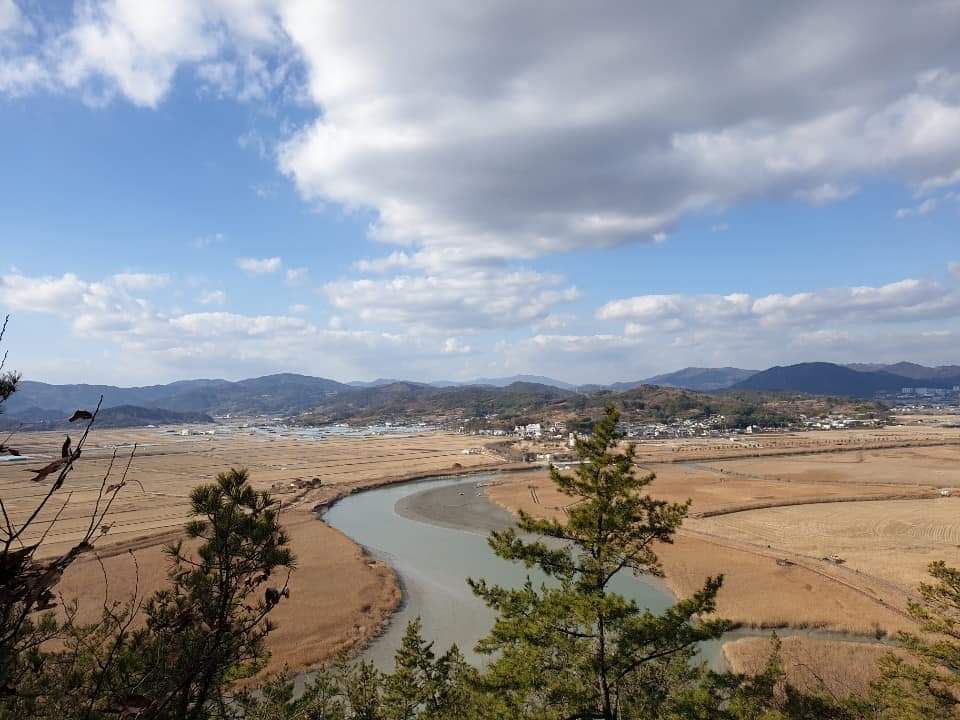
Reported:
(839, 422)
(923, 396)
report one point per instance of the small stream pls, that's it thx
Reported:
(434, 534)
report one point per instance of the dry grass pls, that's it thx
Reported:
(169, 466)
(820, 509)
(339, 598)
(890, 540)
(792, 443)
(835, 668)
(926, 467)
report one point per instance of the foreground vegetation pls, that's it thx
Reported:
(568, 648)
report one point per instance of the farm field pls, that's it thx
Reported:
(839, 668)
(892, 540)
(769, 523)
(909, 466)
(340, 597)
(167, 466)
(929, 432)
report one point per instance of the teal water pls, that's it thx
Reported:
(399, 525)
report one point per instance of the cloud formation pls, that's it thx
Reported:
(907, 300)
(517, 129)
(156, 342)
(259, 266)
(464, 300)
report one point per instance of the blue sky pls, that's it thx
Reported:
(363, 190)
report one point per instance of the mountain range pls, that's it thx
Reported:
(291, 394)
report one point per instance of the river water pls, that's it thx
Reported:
(434, 534)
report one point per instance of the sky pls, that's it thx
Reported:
(444, 191)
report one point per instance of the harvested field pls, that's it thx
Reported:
(927, 466)
(879, 510)
(339, 597)
(792, 595)
(168, 466)
(891, 540)
(794, 443)
(813, 665)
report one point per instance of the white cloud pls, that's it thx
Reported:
(397, 259)
(720, 228)
(904, 301)
(924, 208)
(827, 193)
(553, 321)
(297, 276)
(213, 297)
(474, 138)
(12, 20)
(463, 300)
(454, 346)
(259, 266)
(298, 309)
(954, 268)
(593, 134)
(141, 281)
(940, 181)
(43, 294)
(155, 342)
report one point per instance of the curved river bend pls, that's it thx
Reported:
(434, 534)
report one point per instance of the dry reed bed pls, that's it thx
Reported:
(813, 665)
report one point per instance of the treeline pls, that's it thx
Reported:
(567, 648)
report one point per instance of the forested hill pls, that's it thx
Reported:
(830, 379)
(320, 400)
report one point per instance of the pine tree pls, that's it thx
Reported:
(572, 648)
(927, 684)
(419, 684)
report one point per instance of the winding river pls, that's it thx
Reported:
(434, 534)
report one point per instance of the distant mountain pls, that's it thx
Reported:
(911, 370)
(697, 378)
(281, 393)
(372, 383)
(505, 381)
(820, 378)
(418, 400)
(35, 418)
(66, 398)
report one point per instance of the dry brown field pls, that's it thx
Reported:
(168, 466)
(891, 540)
(339, 598)
(937, 467)
(768, 523)
(837, 668)
(802, 442)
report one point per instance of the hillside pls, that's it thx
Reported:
(820, 378)
(67, 398)
(35, 418)
(698, 378)
(913, 371)
(417, 400)
(281, 393)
